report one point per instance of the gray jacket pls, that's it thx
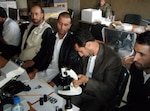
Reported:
(101, 86)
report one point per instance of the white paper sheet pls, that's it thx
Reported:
(11, 70)
(38, 89)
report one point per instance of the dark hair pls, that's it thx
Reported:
(82, 36)
(143, 38)
(65, 14)
(3, 13)
(42, 11)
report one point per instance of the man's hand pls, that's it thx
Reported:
(14, 57)
(28, 63)
(33, 74)
(81, 80)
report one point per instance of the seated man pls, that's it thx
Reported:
(101, 69)
(36, 40)
(106, 8)
(138, 98)
(64, 54)
(10, 35)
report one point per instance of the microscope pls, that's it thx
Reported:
(68, 90)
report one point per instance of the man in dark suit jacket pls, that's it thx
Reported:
(64, 54)
(101, 68)
(138, 98)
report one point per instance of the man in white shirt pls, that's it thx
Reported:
(11, 35)
(64, 54)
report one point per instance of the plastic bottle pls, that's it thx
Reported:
(17, 105)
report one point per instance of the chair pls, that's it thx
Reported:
(145, 22)
(71, 12)
(120, 90)
(120, 41)
(132, 19)
(96, 31)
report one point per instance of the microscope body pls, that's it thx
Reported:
(67, 76)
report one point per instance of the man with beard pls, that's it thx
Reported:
(138, 98)
(64, 54)
(36, 41)
(100, 71)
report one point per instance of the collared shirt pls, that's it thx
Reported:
(90, 66)
(11, 32)
(53, 69)
(146, 76)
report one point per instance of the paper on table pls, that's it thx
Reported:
(11, 70)
(38, 87)
(24, 77)
(54, 101)
(105, 21)
(139, 29)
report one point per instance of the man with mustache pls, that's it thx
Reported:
(36, 41)
(64, 54)
(100, 71)
(138, 98)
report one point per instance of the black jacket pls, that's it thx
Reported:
(68, 57)
(44, 56)
(139, 93)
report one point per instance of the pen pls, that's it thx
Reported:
(32, 94)
(29, 94)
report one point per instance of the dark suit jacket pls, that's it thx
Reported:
(139, 93)
(68, 57)
(101, 87)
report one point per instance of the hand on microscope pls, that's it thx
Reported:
(82, 79)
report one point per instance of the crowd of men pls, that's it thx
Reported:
(44, 52)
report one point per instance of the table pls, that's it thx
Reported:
(89, 24)
(3, 62)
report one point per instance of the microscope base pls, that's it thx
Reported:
(68, 109)
(73, 91)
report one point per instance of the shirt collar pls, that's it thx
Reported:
(146, 76)
(63, 37)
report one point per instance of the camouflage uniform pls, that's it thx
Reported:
(106, 10)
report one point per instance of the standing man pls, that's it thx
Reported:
(64, 54)
(138, 98)
(106, 8)
(10, 36)
(35, 43)
(101, 68)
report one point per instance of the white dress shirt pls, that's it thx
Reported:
(146, 76)
(90, 66)
(52, 70)
(11, 32)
